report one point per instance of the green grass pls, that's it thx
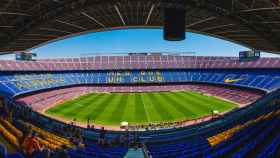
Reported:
(139, 108)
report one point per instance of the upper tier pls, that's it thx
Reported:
(136, 62)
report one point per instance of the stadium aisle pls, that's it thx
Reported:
(132, 153)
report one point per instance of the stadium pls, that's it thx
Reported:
(140, 105)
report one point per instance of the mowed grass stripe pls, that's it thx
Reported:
(210, 102)
(79, 105)
(87, 104)
(68, 104)
(181, 106)
(86, 113)
(78, 113)
(152, 114)
(140, 114)
(161, 110)
(177, 115)
(192, 106)
(118, 110)
(101, 107)
(197, 107)
(129, 109)
(139, 108)
(222, 104)
(109, 109)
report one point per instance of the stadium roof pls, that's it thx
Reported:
(25, 24)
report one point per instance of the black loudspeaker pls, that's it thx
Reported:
(174, 24)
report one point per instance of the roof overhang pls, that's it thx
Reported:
(28, 24)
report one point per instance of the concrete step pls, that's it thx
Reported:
(135, 153)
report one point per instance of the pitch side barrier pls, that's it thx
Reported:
(266, 104)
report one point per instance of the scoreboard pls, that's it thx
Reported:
(249, 55)
(25, 56)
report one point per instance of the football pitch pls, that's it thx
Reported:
(139, 108)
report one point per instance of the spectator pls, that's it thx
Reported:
(102, 135)
(77, 139)
(26, 130)
(31, 144)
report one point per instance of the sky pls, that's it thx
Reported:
(119, 42)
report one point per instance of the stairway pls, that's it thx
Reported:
(135, 153)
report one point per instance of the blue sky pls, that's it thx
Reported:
(136, 40)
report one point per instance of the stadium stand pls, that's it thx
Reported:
(13, 83)
(30, 86)
(54, 142)
(137, 62)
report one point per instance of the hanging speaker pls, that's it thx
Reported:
(174, 24)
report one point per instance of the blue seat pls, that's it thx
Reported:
(3, 151)
(16, 155)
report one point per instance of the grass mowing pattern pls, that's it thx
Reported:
(139, 108)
